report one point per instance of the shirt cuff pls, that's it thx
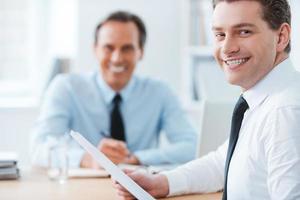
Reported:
(148, 157)
(177, 182)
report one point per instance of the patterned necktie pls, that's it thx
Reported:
(236, 122)
(117, 130)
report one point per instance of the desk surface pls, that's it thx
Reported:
(36, 185)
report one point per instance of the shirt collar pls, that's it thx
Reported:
(108, 93)
(272, 82)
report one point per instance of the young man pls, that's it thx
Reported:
(117, 111)
(262, 157)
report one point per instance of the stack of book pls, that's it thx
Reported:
(8, 166)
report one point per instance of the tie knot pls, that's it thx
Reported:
(241, 106)
(117, 99)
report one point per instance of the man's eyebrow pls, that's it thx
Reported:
(215, 28)
(127, 46)
(241, 25)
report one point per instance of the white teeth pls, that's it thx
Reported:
(117, 69)
(236, 62)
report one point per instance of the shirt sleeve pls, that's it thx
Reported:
(203, 175)
(53, 122)
(283, 153)
(181, 135)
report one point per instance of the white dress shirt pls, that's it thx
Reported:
(266, 160)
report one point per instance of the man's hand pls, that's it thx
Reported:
(115, 150)
(157, 185)
(132, 159)
(88, 162)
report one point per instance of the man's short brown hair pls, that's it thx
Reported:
(123, 16)
(275, 13)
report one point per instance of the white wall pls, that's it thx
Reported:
(295, 6)
(162, 19)
(15, 127)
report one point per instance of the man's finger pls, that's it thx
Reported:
(115, 145)
(112, 153)
(128, 171)
(125, 198)
(120, 188)
(125, 194)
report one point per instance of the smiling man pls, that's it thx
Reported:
(261, 159)
(120, 113)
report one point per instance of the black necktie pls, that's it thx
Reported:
(236, 122)
(117, 130)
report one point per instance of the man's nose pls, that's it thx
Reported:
(230, 46)
(117, 57)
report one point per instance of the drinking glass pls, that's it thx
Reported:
(58, 160)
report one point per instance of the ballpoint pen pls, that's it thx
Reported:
(105, 134)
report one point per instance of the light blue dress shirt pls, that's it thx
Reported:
(82, 102)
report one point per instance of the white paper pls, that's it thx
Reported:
(153, 169)
(80, 173)
(115, 172)
(8, 156)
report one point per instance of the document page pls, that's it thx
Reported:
(115, 172)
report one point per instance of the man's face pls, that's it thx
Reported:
(118, 52)
(245, 47)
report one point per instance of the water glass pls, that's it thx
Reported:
(58, 161)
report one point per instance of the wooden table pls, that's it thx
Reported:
(35, 185)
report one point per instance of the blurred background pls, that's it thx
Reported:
(41, 38)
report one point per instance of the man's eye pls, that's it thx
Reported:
(128, 49)
(108, 48)
(219, 36)
(245, 32)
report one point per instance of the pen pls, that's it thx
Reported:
(104, 134)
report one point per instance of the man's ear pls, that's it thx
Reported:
(284, 35)
(141, 54)
(95, 48)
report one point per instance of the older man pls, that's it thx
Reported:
(119, 112)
